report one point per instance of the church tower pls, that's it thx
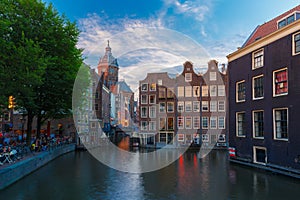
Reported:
(108, 68)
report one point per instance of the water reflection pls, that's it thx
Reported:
(81, 176)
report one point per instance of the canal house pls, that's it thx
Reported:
(264, 95)
(189, 108)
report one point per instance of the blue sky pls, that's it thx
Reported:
(160, 35)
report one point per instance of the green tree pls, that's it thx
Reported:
(44, 45)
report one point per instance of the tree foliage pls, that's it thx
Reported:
(39, 58)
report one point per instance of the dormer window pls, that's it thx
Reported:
(288, 20)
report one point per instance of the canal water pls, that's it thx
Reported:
(78, 175)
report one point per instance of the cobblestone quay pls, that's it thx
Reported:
(13, 172)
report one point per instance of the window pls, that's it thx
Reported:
(196, 106)
(188, 91)
(144, 99)
(280, 123)
(188, 122)
(152, 99)
(288, 20)
(162, 93)
(180, 122)
(204, 90)
(221, 122)
(221, 106)
(159, 82)
(213, 122)
(153, 87)
(188, 77)
(205, 138)
(296, 43)
(96, 95)
(170, 123)
(259, 155)
(181, 137)
(258, 59)
(240, 91)
(170, 107)
(152, 112)
(143, 125)
(213, 90)
(180, 106)
(180, 91)
(205, 122)
(240, 124)
(282, 23)
(162, 107)
(162, 137)
(258, 87)
(93, 125)
(221, 90)
(144, 87)
(188, 106)
(152, 126)
(162, 124)
(96, 106)
(213, 106)
(170, 92)
(196, 122)
(205, 106)
(144, 112)
(196, 91)
(258, 124)
(280, 84)
(212, 76)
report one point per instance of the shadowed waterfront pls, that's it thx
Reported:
(78, 175)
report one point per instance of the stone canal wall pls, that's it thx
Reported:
(18, 170)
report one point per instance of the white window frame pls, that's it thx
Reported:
(146, 100)
(274, 124)
(164, 111)
(196, 91)
(253, 89)
(221, 90)
(188, 91)
(152, 112)
(188, 77)
(150, 87)
(180, 91)
(213, 118)
(188, 104)
(144, 126)
(159, 82)
(196, 106)
(261, 54)
(165, 124)
(221, 117)
(144, 87)
(237, 124)
(180, 118)
(180, 106)
(180, 137)
(205, 90)
(237, 91)
(151, 95)
(205, 104)
(170, 111)
(196, 122)
(188, 119)
(213, 90)
(205, 138)
(213, 106)
(212, 76)
(205, 127)
(146, 113)
(274, 82)
(220, 104)
(152, 125)
(254, 155)
(294, 53)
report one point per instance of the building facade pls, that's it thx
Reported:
(264, 95)
(189, 108)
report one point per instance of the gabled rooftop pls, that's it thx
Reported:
(271, 26)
